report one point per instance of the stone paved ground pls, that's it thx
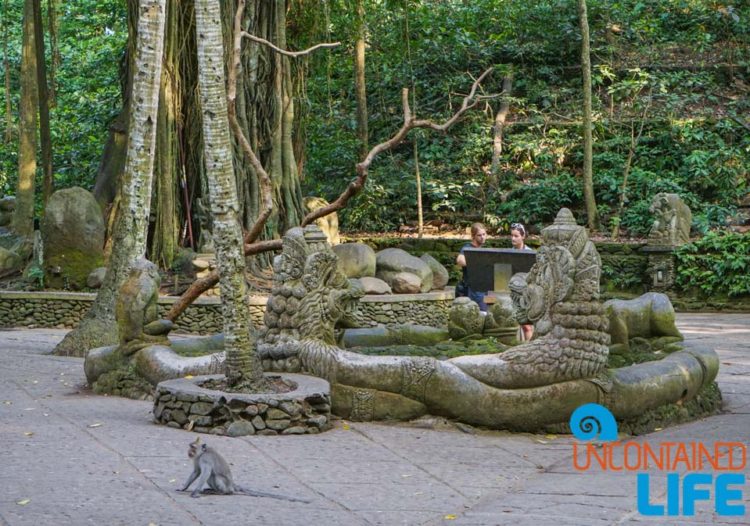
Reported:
(70, 457)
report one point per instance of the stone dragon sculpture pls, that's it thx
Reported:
(537, 383)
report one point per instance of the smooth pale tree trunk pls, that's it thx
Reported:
(243, 368)
(98, 327)
(360, 87)
(23, 217)
(588, 155)
(44, 131)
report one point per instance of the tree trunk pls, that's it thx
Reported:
(98, 327)
(243, 368)
(44, 132)
(360, 87)
(23, 217)
(588, 177)
(497, 131)
(418, 175)
(54, 50)
(168, 171)
(6, 66)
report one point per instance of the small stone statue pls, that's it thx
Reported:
(672, 219)
(466, 321)
(205, 243)
(136, 310)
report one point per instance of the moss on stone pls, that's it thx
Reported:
(75, 267)
(440, 351)
(707, 402)
(125, 382)
(642, 350)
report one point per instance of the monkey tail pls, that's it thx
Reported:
(253, 493)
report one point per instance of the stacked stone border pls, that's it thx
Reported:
(63, 310)
(184, 404)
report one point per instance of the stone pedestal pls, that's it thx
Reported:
(661, 266)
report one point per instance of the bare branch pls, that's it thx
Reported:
(469, 102)
(289, 53)
(362, 169)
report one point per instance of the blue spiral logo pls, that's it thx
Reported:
(593, 422)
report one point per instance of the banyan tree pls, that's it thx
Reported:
(265, 110)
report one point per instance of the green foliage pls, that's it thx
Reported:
(653, 63)
(717, 264)
(91, 36)
(623, 273)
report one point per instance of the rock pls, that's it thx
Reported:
(356, 260)
(203, 263)
(240, 428)
(96, 278)
(392, 261)
(73, 237)
(201, 408)
(439, 272)
(9, 261)
(374, 285)
(276, 414)
(328, 224)
(278, 425)
(7, 206)
(403, 282)
(258, 422)
(296, 430)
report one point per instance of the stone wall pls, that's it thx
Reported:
(183, 404)
(63, 310)
(430, 308)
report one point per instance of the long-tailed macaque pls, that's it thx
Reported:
(210, 468)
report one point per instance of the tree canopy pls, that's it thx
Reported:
(674, 75)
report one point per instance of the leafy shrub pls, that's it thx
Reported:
(538, 204)
(717, 264)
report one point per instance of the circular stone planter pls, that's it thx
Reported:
(182, 403)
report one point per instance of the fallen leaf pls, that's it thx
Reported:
(23, 502)
(98, 424)
(29, 408)
(450, 517)
(8, 402)
(189, 376)
(540, 441)
(190, 425)
(172, 480)
(29, 433)
(346, 426)
(406, 476)
(658, 428)
(550, 437)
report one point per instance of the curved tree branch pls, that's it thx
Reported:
(283, 51)
(355, 187)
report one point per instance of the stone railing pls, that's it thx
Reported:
(63, 310)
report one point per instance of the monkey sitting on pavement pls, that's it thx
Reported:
(211, 468)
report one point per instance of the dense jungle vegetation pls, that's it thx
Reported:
(670, 86)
